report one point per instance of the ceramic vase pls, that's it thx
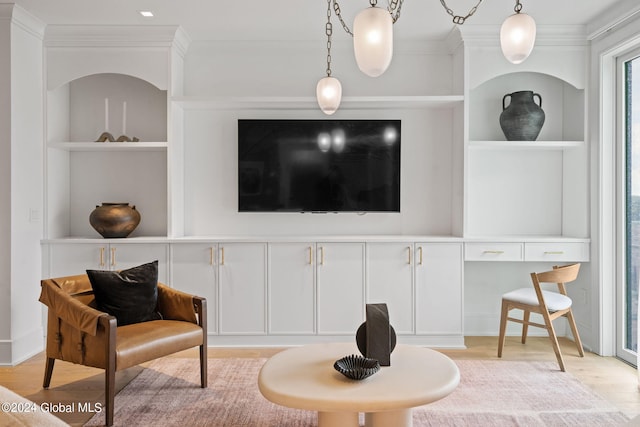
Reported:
(522, 119)
(114, 220)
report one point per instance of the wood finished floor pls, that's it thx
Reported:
(609, 377)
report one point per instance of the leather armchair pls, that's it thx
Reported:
(79, 333)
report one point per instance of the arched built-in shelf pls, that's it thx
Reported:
(562, 103)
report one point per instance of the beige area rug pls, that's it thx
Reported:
(491, 393)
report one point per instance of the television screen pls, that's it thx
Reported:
(319, 165)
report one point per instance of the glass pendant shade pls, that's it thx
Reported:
(373, 40)
(517, 37)
(329, 94)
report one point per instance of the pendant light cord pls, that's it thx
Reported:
(328, 29)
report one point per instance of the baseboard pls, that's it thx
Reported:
(16, 351)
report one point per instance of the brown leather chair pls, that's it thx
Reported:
(79, 333)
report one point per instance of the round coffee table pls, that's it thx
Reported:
(304, 378)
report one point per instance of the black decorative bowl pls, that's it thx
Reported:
(356, 367)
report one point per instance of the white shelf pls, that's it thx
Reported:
(532, 145)
(109, 146)
(308, 102)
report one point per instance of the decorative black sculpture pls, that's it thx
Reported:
(376, 338)
(356, 367)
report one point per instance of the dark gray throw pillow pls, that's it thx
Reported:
(130, 295)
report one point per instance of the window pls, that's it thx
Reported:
(629, 218)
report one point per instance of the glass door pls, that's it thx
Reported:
(629, 208)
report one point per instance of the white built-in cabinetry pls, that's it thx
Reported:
(340, 275)
(527, 188)
(69, 257)
(292, 288)
(284, 291)
(98, 79)
(516, 201)
(242, 290)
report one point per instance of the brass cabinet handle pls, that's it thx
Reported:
(102, 257)
(420, 255)
(554, 252)
(310, 255)
(113, 257)
(493, 252)
(321, 255)
(409, 250)
(211, 255)
(222, 255)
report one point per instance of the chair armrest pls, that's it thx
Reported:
(69, 309)
(177, 305)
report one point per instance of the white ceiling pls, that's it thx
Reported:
(301, 19)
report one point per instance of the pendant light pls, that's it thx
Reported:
(517, 35)
(329, 89)
(373, 40)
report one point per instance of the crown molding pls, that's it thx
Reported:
(22, 19)
(181, 41)
(546, 35)
(615, 17)
(115, 36)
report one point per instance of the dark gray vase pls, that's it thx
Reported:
(522, 120)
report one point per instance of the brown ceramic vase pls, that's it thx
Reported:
(114, 220)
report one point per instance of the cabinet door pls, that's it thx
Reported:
(439, 288)
(242, 288)
(340, 284)
(127, 255)
(291, 288)
(194, 270)
(71, 259)
(390, 281)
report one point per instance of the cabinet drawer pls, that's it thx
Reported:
(558, 251)
(487, 251)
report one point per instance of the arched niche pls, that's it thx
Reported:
(562, 102)
(82, 109)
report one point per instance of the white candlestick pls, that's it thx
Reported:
(106, 114)
(124, 118)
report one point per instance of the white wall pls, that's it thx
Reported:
(292, 69)
(25, 177)
(5, 183)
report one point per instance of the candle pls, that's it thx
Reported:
(124, 118)
(106, 114)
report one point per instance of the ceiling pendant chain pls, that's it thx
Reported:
(518, 6)
(394, 9)
(336, 9)
(457, 19)
(328, 31)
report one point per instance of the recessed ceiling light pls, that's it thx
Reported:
(146, 13)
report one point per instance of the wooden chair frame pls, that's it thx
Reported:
(559, 275)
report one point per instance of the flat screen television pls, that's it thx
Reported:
(319, 165)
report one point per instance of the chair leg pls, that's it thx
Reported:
(554, 340)
(525, 325)
(110, 391)
(203, 366)
(503, 326)
(574, 331)
(48, 370)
